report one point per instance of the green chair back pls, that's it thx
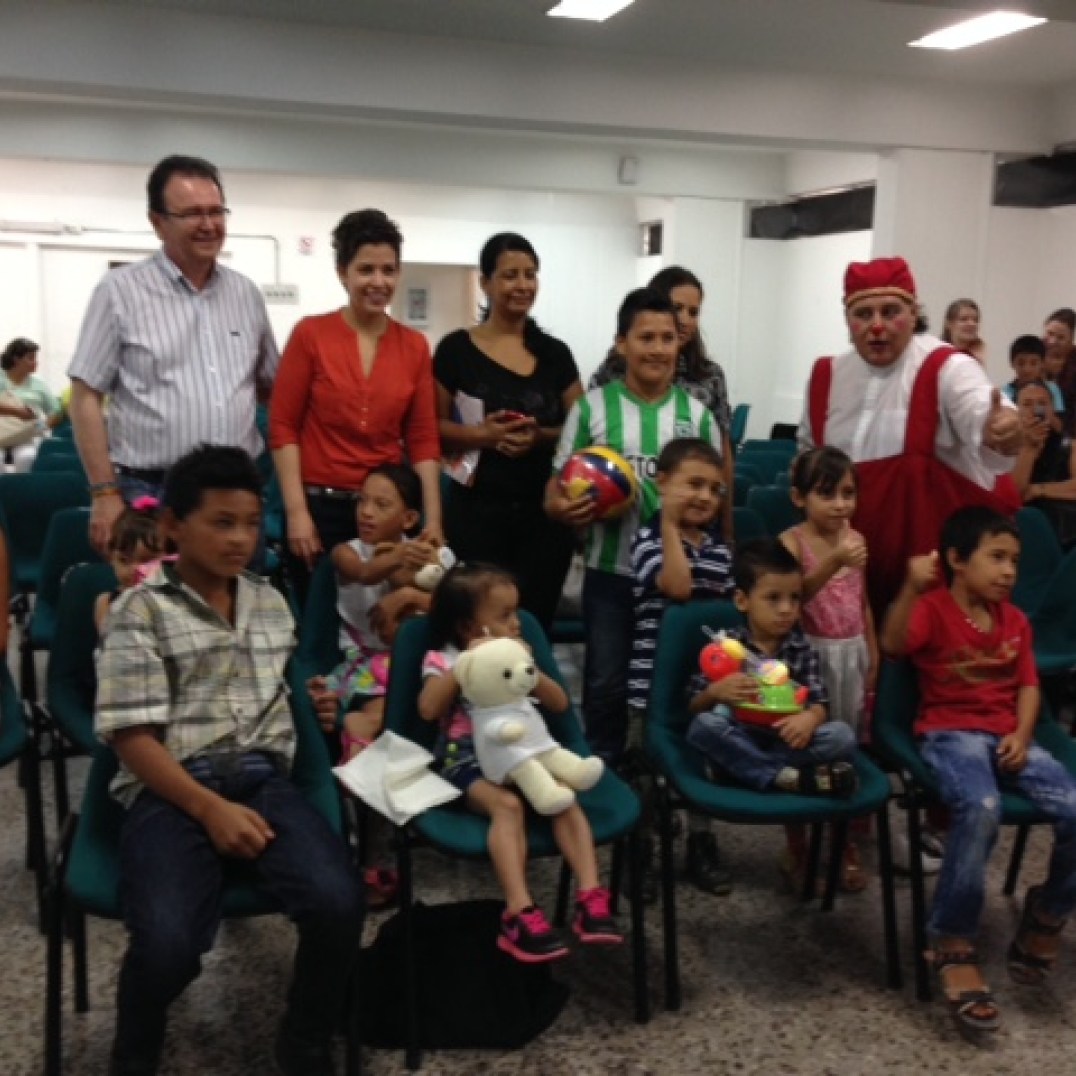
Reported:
(67, 543)
(1040, 557)
(28, 502)
(748, 525)
(72, 679)
(319, 629)
(13, 733)
(775, 506)
(738, 426)
(1053, 622)
(766, 462)
(782, 447)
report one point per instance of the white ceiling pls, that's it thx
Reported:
(859, 37)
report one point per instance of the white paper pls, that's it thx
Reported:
(467, 411)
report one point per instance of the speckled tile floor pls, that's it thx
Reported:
(769, 987)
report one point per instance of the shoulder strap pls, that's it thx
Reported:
(818, 397)
(923, 408)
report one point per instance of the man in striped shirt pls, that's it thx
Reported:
(635, 417)
(179, 344)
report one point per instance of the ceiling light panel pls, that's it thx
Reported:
(592, 10)
(975, 31)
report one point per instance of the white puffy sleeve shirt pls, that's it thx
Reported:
(868, 411)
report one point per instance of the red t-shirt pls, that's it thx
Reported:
(968, 678)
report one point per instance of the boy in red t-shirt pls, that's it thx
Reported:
(980, 700)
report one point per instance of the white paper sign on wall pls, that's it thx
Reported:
(281, 294)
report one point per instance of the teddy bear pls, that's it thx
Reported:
(512, 743)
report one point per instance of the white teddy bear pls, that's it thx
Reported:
(511, 740)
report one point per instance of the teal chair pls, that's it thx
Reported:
(612, 808)
(782, 447)
(58, 446)
(738, 425)
(683, 782)
(64, 431)
(741, 486)
(27, 504)
(86, 874)
(775, 507)
(765, 461)
(1053, 622)
(1040, 558)
(67, 542)
(892, 737)
(747, 525)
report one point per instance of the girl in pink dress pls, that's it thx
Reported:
(835, 615)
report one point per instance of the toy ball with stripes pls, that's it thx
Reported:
(604, 476)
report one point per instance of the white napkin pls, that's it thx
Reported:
(393, 776)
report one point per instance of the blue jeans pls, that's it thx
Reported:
(755, 758)
(171, 878)
(608, 620)
(965, 765)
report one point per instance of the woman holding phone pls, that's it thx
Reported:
(504, 388)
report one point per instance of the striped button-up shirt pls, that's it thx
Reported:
(171, 662)
(181, 367)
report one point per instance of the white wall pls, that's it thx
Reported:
(451, 294)
(587, 244)
(790, 314)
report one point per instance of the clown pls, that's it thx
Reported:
(926, 429)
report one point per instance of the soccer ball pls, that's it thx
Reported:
(604, 476)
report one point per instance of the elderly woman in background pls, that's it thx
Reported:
(961, 328)
(354, 389)
(33, 399)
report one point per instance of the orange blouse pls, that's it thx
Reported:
(344, 422)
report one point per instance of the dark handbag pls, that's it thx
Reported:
(469, 993)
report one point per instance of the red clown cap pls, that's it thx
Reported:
(883, 276)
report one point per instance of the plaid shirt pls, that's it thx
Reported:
(795, 651)
(170, 661)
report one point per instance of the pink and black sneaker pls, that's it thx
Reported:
(594, 923)
(529, 938)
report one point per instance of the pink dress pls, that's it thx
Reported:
(835, 624)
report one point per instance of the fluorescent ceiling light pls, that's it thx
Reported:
(594, 10)
(976, 31)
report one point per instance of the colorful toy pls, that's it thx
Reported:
(604, 476)
(778, 695)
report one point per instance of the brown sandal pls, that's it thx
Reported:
(1025, 967)
(973, 1011)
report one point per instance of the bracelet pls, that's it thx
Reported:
(104, 489)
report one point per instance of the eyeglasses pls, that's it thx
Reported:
(214, 214)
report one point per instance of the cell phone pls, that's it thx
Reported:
(1040, 411)
(513, 416)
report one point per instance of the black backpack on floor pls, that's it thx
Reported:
(470, 994)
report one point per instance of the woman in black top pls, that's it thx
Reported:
(525, 381)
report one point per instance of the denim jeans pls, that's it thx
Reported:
(965, 765)
(171, 878)
(608, 619)
(755, 758)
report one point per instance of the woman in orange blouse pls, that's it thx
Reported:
(354, 389)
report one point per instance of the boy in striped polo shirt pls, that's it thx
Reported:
(635, 417)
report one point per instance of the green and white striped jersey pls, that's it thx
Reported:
(612, 416)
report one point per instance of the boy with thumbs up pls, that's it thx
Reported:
(980, 698)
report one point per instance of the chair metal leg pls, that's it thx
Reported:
(27, 671)
(564, 889)
(894, 978)
(36, 852)
(55, 911)
(353, 1031)
(814, 854)
(1016, 860)
(919, 928)
(838, 836)
(673, 998)
(413, 1050)
(59, 754)
(76, 923)
(616, 874)
(638, 930)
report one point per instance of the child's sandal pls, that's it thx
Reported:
(973, 1011)
(1026, 967)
